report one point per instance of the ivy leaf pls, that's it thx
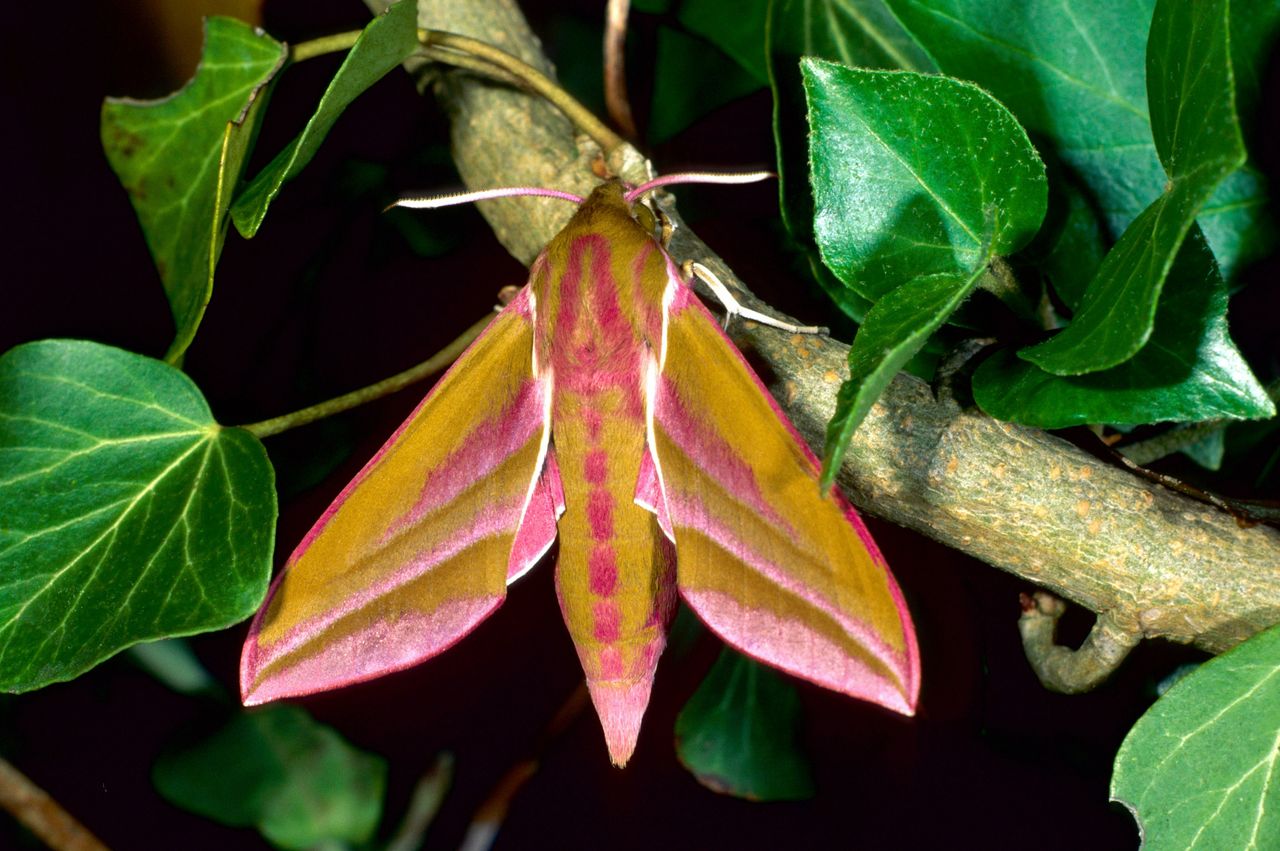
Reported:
(906, 216)
(862, 33)
(129, 513)
(735, 26)
(1076, 247)
(1073, 74)
(1201, 769)
(677, 104)
(1208, 450)
(297, 781)
(1197, 136)
(895, 329)
(897, 190)
(1189, 371)
(180, 157)
(383, 45)
(737, 734)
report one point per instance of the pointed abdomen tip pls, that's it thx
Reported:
(620, 705)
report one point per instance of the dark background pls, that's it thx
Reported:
(330, 296)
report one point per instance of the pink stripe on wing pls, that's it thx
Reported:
(495, 520)
(696, 515)
(793, 647)
(649, 493)
(369, 653)
(711, 454)
(485, 448)
(519, 310)
(538, 526)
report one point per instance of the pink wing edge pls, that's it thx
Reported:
(721, 614)
(537, 531)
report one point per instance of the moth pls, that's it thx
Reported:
(605, 407)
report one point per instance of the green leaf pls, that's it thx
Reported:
(1076, 248)
(1193, 119)
(173, 663)
(1074, 74)
(1201, 769)
(735, 26)
(383, 45)
(691, 80)
(1208, 450)
(895, 329)
(862, 33)
(180, 157)
(898, 190)
(906, 215)
(129, 514)
(1189, 371)
(298, 782)
(737, 734)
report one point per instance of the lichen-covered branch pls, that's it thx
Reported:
(1015, 497)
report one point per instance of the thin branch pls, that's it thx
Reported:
(385, 387)
(489, 817)
(615, 66)
(539, 83)
(41, 814)
(424, 805)
(305, 50)
(1062, 669)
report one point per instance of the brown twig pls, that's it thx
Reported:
(1062, 669)
(385, 387)
(489, 817)
(41, 814)
(428, 796)
(615, 67)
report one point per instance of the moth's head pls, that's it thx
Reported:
(614, 205)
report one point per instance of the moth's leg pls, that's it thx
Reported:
(732, 307)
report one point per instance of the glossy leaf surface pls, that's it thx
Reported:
(298, 782)
(738, 733)
(1201, 769)
(905, 214)
(383, 45)
(860, 33)
(1075, 74)
(129, 513)
(1189, 371)
(180, 157)
(897, 188)
(894, 330)
(1193, 121)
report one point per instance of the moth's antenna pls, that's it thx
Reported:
(698, 177)
(449, 199)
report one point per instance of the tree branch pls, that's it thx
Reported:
(41, 814)
(1157, 563)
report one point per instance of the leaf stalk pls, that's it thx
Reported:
(385, 387)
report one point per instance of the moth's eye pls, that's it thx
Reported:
(646, 219)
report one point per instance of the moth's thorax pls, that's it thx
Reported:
(598, 290)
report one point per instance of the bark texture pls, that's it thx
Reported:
(1153, 561)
